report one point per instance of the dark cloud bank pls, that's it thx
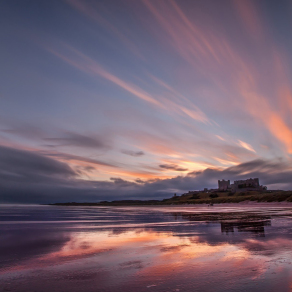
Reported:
(30, 177)
(172, 167)
(133, 153)
(78, 140)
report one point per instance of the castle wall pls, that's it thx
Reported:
(240, 185)
(247, 183)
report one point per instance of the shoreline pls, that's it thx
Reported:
(242, 203)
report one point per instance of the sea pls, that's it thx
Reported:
(243, 247)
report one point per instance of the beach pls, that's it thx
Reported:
(229, 247)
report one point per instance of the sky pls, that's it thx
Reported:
(106, 100)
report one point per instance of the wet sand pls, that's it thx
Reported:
(227, 247)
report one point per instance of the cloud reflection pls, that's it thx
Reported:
(141, 247)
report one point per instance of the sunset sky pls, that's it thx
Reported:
(103, 100)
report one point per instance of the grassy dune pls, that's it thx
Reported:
(228, 197)
(200, 198)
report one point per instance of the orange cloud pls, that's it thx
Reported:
(220, 138)
(246, 146)
(280, 130)
(226, 162)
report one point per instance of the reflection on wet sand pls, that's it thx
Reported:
(243, 222)
(147, 249)
(256, 227)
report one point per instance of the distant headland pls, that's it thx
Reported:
(241, 190)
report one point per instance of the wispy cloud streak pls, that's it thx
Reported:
(90, 66)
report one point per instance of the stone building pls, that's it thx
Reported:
(247, 183)
(241, 185)
(223, 185)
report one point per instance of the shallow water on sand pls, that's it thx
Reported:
(198, 248)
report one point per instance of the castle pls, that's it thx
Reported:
(251, 184)
(242, 185)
